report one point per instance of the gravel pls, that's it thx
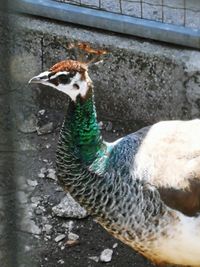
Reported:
(68, 208)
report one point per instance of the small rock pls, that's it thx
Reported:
(38, 211)
(42, 172)
(32, 183)
(69, 208)
(94, 258)
(44, 220)
(41, 112)
(45, 129)
(106, 255)
(101, 125)
(48, 146)
(33, 205)
(59, 238)
(59, 189)
(35, 200)
(47, 228)
(68, 225)
(27, 248)
(61, 261)
(41, 175)
(72, 236)
(51, 174)
(115, 245)
(48, 237)
(72, 243)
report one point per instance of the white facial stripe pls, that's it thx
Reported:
(44, 74)
(58, 74)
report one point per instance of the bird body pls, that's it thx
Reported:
(125, 185)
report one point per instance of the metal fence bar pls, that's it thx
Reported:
(178, 5)
(111, 21)
(141, 6)
(184, 23)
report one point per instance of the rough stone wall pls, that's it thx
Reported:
(138, 83)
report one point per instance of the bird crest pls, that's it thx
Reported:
(86, 55)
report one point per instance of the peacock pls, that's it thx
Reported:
(144, 188)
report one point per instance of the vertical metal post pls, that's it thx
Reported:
(184, 23)
(141, 5)
(162, 10)
(120, 6)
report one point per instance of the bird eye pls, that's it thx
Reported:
(64, 79)
(76, 86)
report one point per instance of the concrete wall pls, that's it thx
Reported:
(138, 83)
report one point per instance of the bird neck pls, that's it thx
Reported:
(82, 129)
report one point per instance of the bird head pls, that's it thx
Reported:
(69, 76)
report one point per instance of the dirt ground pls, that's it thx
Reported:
(41, 238)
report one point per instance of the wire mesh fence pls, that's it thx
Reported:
(177, 12)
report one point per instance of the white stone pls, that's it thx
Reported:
(35, 200)
(51, 174)
(32, 183)
(59, 238)
(106, 255)
(72, 236)
(61, 261)
(48, 146)
(68, 225)
(69, 208)
(42, 172)
(47, 228)
(115, 245)
(41, 112)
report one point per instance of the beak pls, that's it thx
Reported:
(41, 78)
(35, 79)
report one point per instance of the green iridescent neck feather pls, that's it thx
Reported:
(86, 140)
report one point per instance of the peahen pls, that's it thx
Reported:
(144, 188)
